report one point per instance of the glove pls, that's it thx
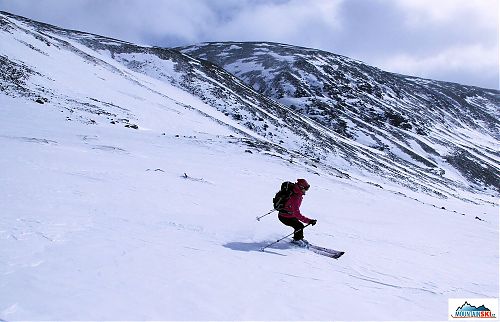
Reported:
(312, 222)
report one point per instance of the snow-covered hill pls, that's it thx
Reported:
(443, 128)
(418, 162)
(131, 178)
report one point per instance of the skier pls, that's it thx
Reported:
(290, 215)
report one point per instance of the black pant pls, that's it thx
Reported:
(296, 224)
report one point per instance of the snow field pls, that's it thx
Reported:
(99, 224)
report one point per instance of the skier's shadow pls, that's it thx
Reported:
(256, 247)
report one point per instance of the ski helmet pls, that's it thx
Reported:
(302, 183)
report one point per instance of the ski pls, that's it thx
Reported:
(326, 251)
(332, 253)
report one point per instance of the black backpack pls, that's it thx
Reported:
(283, 195)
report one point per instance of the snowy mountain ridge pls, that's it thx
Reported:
(438, 164)
(420, 123)
(131, 177)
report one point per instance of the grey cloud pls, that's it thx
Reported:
(377, 32)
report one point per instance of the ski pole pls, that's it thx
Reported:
(270, 212)
(262, 249)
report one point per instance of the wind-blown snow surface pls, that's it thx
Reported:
(105, 222)
(98, 223)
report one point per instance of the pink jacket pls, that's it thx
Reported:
(292, 206)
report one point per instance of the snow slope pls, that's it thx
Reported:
(99, 224)
(437, 127)
(104, 221)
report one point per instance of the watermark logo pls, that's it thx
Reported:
(473, 309)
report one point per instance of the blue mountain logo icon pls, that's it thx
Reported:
(470, 311)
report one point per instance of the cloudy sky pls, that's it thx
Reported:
(452, 40)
